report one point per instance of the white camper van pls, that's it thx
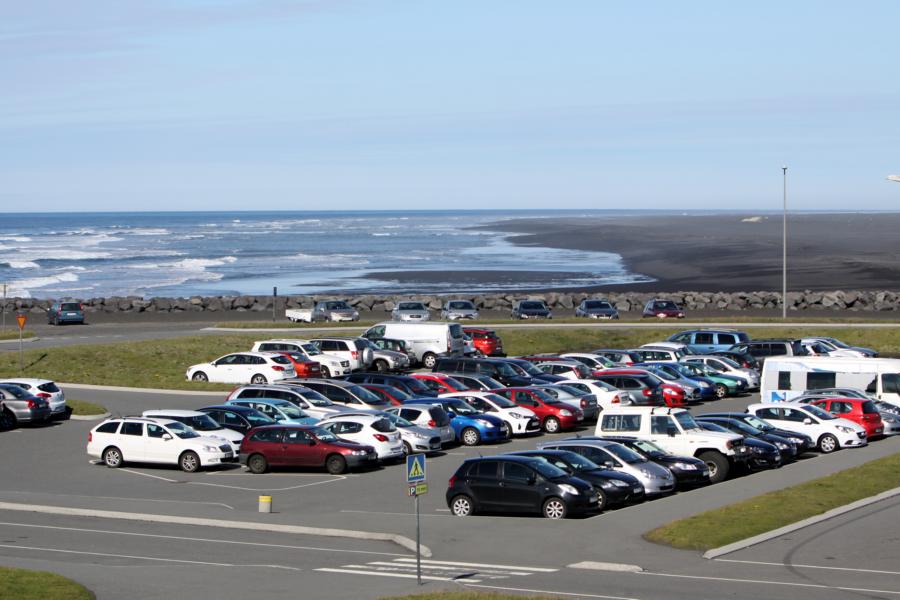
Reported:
(784, 378)
(426, 341)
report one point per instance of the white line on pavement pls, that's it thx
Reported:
(796, 566)
(481, 565)
(149, 475)
(152, 558)
(551, 592)
(766, 582)
(194, 539)
(362, 571)
(411, 564)
(266, 489)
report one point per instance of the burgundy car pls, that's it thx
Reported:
(302, 446)
(662, 309)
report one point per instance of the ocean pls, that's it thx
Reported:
(180, 254)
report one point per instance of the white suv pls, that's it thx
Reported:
(143, 440)
(200, 422)
(331, 366)
(829, 432)
(243, 367)
(675, 430)
(354, 350)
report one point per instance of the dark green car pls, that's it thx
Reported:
(65, 312)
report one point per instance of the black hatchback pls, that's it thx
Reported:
(517, 484)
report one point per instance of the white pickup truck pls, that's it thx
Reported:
(676, 432)
(328, 310)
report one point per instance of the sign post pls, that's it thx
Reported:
(274, 301)
(21, 319)
(415, 480)
(4, 308)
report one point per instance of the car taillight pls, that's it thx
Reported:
(354, 354)
(380, 437)
(431, 423)
(31, 404)
(277, 368)
(90, 437)
(452, 481)
(647, 392)
(584, 403)
(43, 395)
(616, 400)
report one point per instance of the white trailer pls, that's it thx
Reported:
(784, 378)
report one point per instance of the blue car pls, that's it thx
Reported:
(673, 374)
(469, 426)
(282, 411)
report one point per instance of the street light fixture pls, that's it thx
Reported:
(784, 247)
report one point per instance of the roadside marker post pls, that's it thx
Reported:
(21, 319)
(416, 484)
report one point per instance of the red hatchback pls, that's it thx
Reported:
(554, 415)
(862, 412)
(300, 446)
(388, 392)
(440, 383)
(486, 341)
(303, 367)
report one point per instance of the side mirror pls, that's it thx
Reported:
(671, 431)
(166, 437)
(278, 417)
(807, 421)
(609, 464)
(532, 479)
(451, 415)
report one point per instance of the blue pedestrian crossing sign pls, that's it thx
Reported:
(415, 468)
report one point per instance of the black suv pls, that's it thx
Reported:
(412, 386)
(517, 484)
(237, 418)
(496, 368)
(762, 349)
(531, 309)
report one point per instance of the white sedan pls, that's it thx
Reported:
(521, 421)
(42, 388)
(607, 396)
(243, 367)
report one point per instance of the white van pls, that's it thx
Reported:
(786, 377)
(426, 341)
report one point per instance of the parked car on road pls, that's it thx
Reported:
(596, 308)
(622, 357)
(531, 309)
(243, 367)
(303, 366)
(762, 454)
(327, 310)
(415, 438)
(385, 360)
(494, 368)
(281, 411)
(727, 367)
(347, 393)
(486, 341)
(829, 432)
(481, 383)
(566, 369)
(237, 418)
(368, 429)
(200, 422)
(331, 366)
(471, 426)
(861, 412)
(521, 421)
(309, 401)
(43, 388)
(708, 341)
(643, 388)
(688, 471)
(554, 414)
(787, 448)
(440, 383)
(354, 350)
(426, 342)
(802, 441)
(18, 406)
(605, 394)
(299, 446)
(839, 345)
(662, 309)
(459, 309)
(60, 313)
(410, 311)
(405, 383)
(431, 416)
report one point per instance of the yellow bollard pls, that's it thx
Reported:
(265, 504)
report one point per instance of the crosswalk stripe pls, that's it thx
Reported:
(386, 574)
(444, 568)
(481, 565)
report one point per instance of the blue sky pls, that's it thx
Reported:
(352, 104)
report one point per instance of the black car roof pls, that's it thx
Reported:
(507, 457)
(232, 407)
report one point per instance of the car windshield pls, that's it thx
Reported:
(500, 401)
(15, 392)
(410, 306)
(686, 421)
(337, 306)
(729, 362)
(280, 359)
(70, 306)
(384, 425)
(490, 383)
(506, 370)
(758, 423)
(203, 423)
(323, 435)
(398, 394)
(625, 454)
(365, 395)
(291, 411)
(598, 304)
(461, 306)
(315, 398)
(746, 428)
(559, 392)
(649, 447)
(295, 356)
(547, 470)
(664, 305)
(257, 419)
(528, 368)
(544, 396)
(397, 420)
(461, 408)
(454, 384)
(182, 431)
(311, 349)
(818, 412)
(532, 306)
(836, 342)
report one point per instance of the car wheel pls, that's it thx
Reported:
(381, 366)
(259, 379)
(336, 464)
(7, 420)
(554, 508)
(601, 499)
(721, 390)
(470, 436)
(112, 457)
(407, 449)
(429, 360)
(326, 372)
(257, 464)
(718, 466)
(551, 425)
(827, 444)
(461, 506)
(199, 376)
(189, 462)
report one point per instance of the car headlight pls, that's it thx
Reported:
(844, 429)
(516, 415)
(420, 436)
(757, 450)
(684, 466)
(484, 422)
(703, 384)
(568, 489)
(798, 441)
(358, 452)
(782, 446)
(210, 449)
(617, 483)
(565, 413)
(646, 473)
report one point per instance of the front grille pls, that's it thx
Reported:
(345, 363)
(434, 440)
(225, 448)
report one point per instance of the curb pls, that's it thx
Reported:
(404, 542)
(112, 388)
(607, 566)
(834, 512)
(89, 417)
(27, 340)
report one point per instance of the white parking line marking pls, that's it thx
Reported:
(765, 582)
(149, 475)
(412, 565)
(383, 574)
(151, 558)
(481, 565)
(193, 539)
(795, 566)
(549, 592)
(267, 489)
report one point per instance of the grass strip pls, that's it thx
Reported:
(83, 408)
(13, 334)
(24, 584)
(162, 363)
(759, 514)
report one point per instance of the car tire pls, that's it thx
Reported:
(554, 508)
(326, 372)
(112, 457)
(258, 464)
(551, 425)
(462, 506)
(602, 501)
(336, 464)
(470, 436)
(407, 449)
(199, 376)
(189, 462)
(827, 444)
(718, 465)
(259, 379)
(429, 360)
(381, 366)
(721, 390)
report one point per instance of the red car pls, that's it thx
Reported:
(440, 383)
(554, 415)
(388, 392)
(862, 412)
(486, 341)
(662, 309)
(302, 446)
(303, 367)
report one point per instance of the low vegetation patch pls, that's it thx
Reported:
(13, 334)
(82, 408)
(759, 514)
(24, 584)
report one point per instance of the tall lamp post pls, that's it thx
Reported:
(784, 248)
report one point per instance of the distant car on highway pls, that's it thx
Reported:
(410, 311)
(597, 308)
(60, 313)
(662, 309)
(326, 310)
(243, 367)
(459, 309)
(531, 309)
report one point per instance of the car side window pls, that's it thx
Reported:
(795, 416)
(132, 428)
(659, 425)
(516, 472)
(621, 423)
(272, 436)
(154, 431)
(296, 436)
(703, 338)
(525, 399)
(110, 427)
(841, 407)
(229, 418)
(336, 394)
(769, 413)
(727, 338)
(343, 428)
(486, 469)
(409, 414)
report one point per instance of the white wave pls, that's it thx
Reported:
(382, 234)
(23, 264)
(14, 238)
(159, 231)
(22, 288)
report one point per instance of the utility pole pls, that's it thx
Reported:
(784, 248)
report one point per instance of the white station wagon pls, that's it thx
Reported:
(244, 367)
(162, 441)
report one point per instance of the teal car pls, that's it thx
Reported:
(725, 385)
(284, 412)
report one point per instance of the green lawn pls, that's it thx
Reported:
(82, 408)
(13, 334)
(759, 514)
(23, 584)
(162, 363)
